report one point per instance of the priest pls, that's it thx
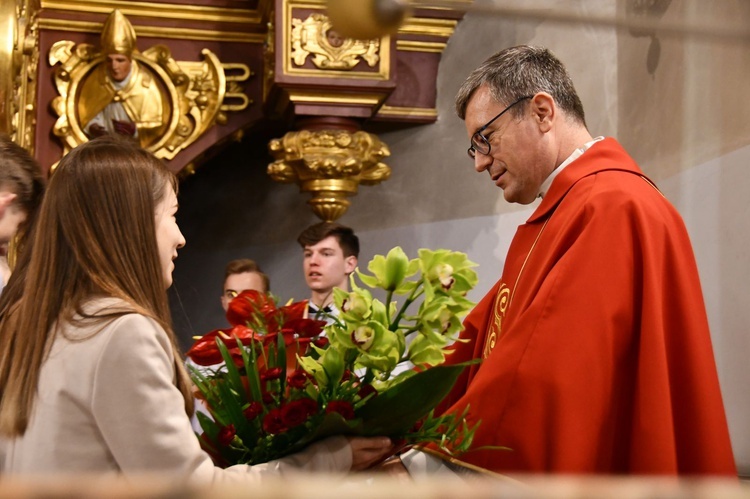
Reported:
(595, 343)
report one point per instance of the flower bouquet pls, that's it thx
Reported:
(287, 380)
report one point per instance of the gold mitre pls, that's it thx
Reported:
(118, 35)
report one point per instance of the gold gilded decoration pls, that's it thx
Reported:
(180, 33)
(164, 104)
(330, 164)
(499, 308)
(118, 35)
(19, 57)
(269, 61)
(330, 50)
(381, 72)
(160, 10)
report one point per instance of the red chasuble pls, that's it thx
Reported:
(596, 348)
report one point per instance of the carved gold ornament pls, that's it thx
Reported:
(330, 164)
(19, 57)
(165, 104)
(315, 35)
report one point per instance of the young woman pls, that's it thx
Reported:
(91, 379)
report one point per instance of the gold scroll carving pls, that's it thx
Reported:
(315, 35)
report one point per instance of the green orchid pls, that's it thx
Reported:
(355, 306)
(328, 369)
(446, 272)
(389, 272)
(424, 351)
(384, 352)
(442, 315)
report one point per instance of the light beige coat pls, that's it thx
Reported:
(107, 403)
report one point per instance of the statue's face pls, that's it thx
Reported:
(118, 66)
(334, 38)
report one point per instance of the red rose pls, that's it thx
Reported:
(296, 412)
(273, 422)
(271, 374)
(267, 398)
(297, 379)
(366, 390)
(253, 410)
(226, 435)
(310, 404)
(347, 375)
(342, 407)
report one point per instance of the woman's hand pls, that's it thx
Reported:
(368, 451)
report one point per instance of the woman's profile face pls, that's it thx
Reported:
(168, 235)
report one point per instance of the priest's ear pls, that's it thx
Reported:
(544, 110)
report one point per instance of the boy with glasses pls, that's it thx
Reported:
(240, 275)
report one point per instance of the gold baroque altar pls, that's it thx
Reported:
(185, 96)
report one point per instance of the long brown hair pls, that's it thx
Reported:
(95, 236)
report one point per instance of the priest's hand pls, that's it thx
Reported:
(368, 451)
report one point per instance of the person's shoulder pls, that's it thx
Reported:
(624, 186)
(135, 335)
(629, 195)
(108, 316)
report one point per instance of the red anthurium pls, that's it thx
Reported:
(294, 311)
(249, 303)
(205, 352)
(305, 328)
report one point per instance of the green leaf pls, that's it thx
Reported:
(253, 377)
(397, 409)
(208, 425)
(233, 374)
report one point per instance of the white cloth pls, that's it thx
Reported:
(574, 156)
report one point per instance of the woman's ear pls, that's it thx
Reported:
(6, 199)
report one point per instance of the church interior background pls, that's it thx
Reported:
(260, 89)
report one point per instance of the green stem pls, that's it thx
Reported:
(415, 293)
(388, 298)
(411, 330)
